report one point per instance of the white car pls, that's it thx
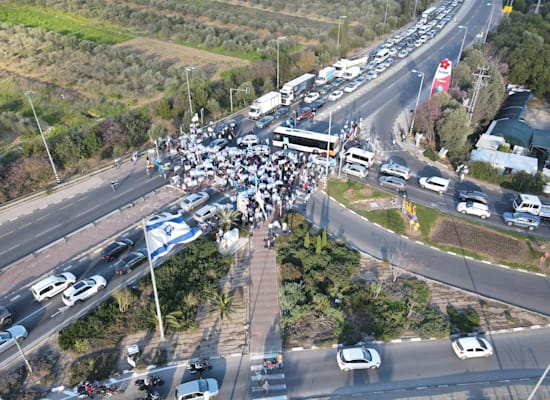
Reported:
(311, 97)
(403, 53)
(350, 87)
(199, 389)
(392, 168)
(193, 201)
(355, 170)
(52, 285)
(205, 213)
(10, 335)
(247, 140)
(337, 94)
(358, 358)
(473, 208)
(472, 347)
(83, 289)
(435, 183)
(380, 67)
(371, 75)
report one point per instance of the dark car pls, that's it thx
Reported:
(229, 126)
(522, 220)
(317, 104)
(288, 123)
(325, 89)
(393, 182)
(116, 248)
(304, 113)
(264, 122)
(6, 317)
(473, 195)
(130, 261)
(281, 112)
(337, 82)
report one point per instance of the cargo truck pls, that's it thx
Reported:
(296, 89)
(352, 73)
(531, 204)
(342, 65)
(264, 105)
(325, 76)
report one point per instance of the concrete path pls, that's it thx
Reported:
(264, 316)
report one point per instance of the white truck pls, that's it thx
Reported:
(342, 65)
(531, 204)
(325, 76)
(264, 105)
(352, 73)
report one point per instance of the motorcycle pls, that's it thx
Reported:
(149, 382)
(150, 396)
(199, 366)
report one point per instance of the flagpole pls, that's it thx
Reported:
(153, 282)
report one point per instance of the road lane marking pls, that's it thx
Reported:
(66, 206)
(48, 230)
(24, 226)
(42, 217)
(6, 234)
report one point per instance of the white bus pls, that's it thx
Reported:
(428, 15)
(306, 141)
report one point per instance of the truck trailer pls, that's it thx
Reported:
(342, 65)
(296, 89)
(264, 105)
(352, 73)
(531, 204)
(325, 76)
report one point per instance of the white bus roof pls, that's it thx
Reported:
(530, 198)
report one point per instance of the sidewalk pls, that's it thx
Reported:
(264, 317)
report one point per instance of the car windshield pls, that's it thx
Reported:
(367, 355)
(79, 285)
(203, 386)
(5, 335)
(482, 344)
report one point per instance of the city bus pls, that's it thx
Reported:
(306, 141)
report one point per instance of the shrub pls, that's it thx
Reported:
(431, 154)
(485, 172)
(466, 321)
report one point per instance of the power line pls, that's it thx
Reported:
(480, 74)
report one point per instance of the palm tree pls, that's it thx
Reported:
(228, 218)
(222, 302)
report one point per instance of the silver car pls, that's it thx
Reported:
(393, 182)
(392, 168)
(10, 335)
(194, 200)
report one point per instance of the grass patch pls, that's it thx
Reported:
(390, 218)
(63, 23)
(463, 321)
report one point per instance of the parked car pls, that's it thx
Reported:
(6, 317)
(403, 53)
(83, 289)
(52, 285)
(311, 97)
(217, 145)
(194, 200)
(325, 89)
(10, 335)
(361, 79)
(247, 140)
(522, 220)
(358, 358)
(130, 261)
(395, 169)
(116, 248)
(371, 75)
(281, 112)
(205, 213)
(380, 68)
(350, 87)
(473, 208)
(393, 182)
(317, 104)
(304, 113)
(355, 170)
(200, 389)
(473, 195)
(435, 183)
(264, 122)
(337, 94)
(472, 347)
(337, 82)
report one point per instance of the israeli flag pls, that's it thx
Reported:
(166, 230)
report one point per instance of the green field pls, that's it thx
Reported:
(64, 23)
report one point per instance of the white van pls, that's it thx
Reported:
(435, 183)
(382, 55)
(359, 156)
(52, 285)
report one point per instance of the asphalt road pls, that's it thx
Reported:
(510, 286)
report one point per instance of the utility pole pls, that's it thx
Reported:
(481, 74)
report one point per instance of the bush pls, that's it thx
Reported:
(485, 172)
(466, 321)
(432, 323)
(526, 183)
(431, 154)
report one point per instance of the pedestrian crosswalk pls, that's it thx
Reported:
(267, 378)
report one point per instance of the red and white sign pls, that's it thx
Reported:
(442, 78)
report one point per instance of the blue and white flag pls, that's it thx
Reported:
(165, 231)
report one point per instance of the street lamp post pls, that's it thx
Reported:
(414, 11)
(490, 20)
(328, 141)
(386, 13)
(421, 75)
(187, 70)
(231, 95)
(278, 41)
(23, 355)
(202, 116)
(28, 95)
(338, 39)
(463, 40)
